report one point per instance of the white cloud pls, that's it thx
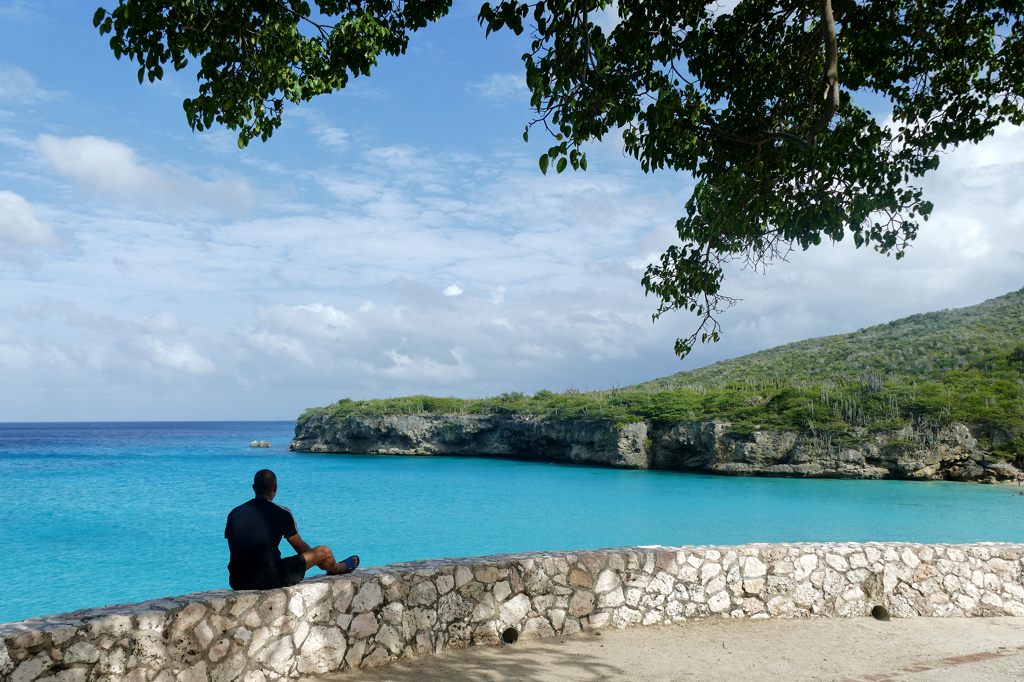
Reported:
(554, 262)
(12, 139)
(314, 320)
(18, 85)
(180, 356)
(18, 222)
(420, 370)
(163, 323)
(280, 344)
(14, 357)
(318, 126)
(114, 170)
(452, 290)
(332, 137)
(399, 157)
(501, 87)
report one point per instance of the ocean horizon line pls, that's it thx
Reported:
(153, 421)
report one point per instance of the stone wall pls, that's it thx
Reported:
(381, 614)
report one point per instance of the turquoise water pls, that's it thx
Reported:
(96, 514)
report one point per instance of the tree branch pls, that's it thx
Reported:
(828, 27)
(790, 137)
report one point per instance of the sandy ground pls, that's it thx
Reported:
(850, 650)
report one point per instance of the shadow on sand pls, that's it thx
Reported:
(538, 661)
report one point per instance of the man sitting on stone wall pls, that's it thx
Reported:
(254, 531)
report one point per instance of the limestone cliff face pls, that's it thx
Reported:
(708, 447)
(492, 435)
(930, 455)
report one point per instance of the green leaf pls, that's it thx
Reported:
(561, 165)
(544, 164)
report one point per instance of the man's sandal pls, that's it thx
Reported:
(351, 563)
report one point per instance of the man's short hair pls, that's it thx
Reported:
(264, 481)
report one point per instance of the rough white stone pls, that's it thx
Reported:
(582, 603)
(82, 652)
(367, 598)
(31, 668)
(537, 628)
(486, 609)
(719, 602)
(607, 581)
(196, 673)
(662, 584)
(76, 675)
(611, 600)
(462, 576)
(296, 605)
(805, 594)
(623, 617)
(837, 563)
(322, 652)
(514, 610)
(753, 567)
(709, 571)
(909, 558)
(6, 664)
(363, 625)
(278, 656)
(557, 617)
(688, 574)
(388, 637)
(393, 613)
(188, 617)
(502, 590)
(445, 584)
(804, 566)
(422, 594)
(781, 606)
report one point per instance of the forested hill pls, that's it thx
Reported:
(920, 347)
(953, 366)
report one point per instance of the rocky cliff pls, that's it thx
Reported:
(517, 436)
(929, 454)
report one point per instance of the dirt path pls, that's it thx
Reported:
(853, 650)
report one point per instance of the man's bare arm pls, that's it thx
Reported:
(298, 544)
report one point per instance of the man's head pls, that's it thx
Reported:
(264, 484)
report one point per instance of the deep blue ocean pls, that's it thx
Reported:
(102, 513)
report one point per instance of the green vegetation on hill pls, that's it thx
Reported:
(964, 365)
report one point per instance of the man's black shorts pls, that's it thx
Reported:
(290, 571)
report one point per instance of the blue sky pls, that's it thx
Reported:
(393, 238)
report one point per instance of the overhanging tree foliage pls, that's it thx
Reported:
(758, 104)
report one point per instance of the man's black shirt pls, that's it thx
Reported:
(254, 531)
